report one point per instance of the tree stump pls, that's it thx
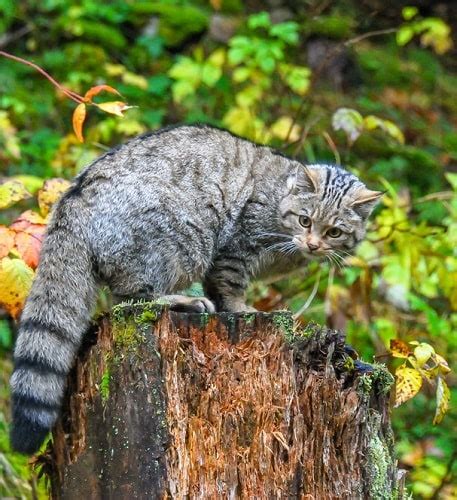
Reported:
(172, 405)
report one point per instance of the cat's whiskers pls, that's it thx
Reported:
(338, 259)
(333, 259)
(284, 247)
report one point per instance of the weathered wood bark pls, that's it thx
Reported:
(170, 405)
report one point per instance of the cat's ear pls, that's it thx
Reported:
(365, 200)
(304, 179)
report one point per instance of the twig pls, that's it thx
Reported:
(330, 54)
(7, 38)
(69, 93)
(440, 196)
(333, 147)
(311, 296)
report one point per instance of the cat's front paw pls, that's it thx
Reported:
(182, 303)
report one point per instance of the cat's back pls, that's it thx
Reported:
(172, 153)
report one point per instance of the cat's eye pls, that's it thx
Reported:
(304, 221)
(334, 232)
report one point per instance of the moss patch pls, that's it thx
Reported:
(105, 384)
(379, 380)
(284, 322)
(126, 335)
(378, 462)
(140, 311)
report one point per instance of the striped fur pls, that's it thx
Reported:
(150, 217)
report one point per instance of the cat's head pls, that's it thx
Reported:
(325, 210)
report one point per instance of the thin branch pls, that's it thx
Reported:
(311, 296)
(333, 147)
(69, 93)
(330, 55)
(7, 38)
(440, 196)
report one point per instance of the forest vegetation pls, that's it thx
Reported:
(370, 85)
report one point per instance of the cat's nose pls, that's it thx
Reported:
(312, 246)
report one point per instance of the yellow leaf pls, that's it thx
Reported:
(443, 395)
(217, 57)
(16, 279)
(79, 115)
(399, 349)
(136, 80)
(12, 192)
(114, 69)
(114, 107)
(282, 126)
(408, 383)
(31, 182)
(423, 352)
(442, 364)
(51, 191)
(92, 92)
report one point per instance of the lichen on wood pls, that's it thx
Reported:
(219, 406)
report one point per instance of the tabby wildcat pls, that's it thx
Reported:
(185, 204)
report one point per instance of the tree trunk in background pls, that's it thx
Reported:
(172, 405)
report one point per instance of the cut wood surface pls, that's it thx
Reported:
(172, 405)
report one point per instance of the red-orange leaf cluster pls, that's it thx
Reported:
(112, 107)
(28, 230)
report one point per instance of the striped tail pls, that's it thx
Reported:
(55, 317)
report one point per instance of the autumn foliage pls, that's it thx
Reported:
(20, 243)
(358, 83)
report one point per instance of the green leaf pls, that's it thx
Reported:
(372, 122)
(186, 69)
(267, 64)
(443, 396)
(260, 20)
(452, 179)
(181, 90)
(6, 335)
(409, 12)
(404, 35)
(288, 32)
(296, 77)
(241, 74)
(423, 352)
(210, 75)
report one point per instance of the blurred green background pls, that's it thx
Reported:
(371, 85)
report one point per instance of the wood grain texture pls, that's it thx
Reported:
(171, 405)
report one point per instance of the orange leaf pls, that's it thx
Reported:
(399, 349)
(29, 245)
(79, 115)
(50, 193)
(92, 92)
(27, 220)
(114, 107)
(6, 241)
